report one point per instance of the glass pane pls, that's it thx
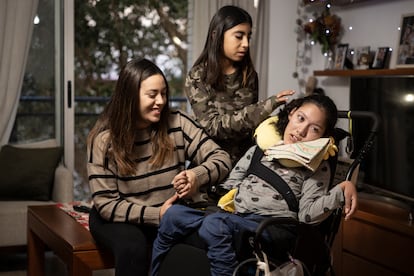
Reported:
(36, 115)
(107, 35)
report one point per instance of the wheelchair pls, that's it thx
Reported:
(312, 245)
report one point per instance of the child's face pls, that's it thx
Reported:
(236, 42)
(306, 123)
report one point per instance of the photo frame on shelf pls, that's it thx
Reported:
(340, 56)
(380, 58)
(405, 53)
(362, 57)
(349, 61)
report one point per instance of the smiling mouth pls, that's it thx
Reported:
(156, 110)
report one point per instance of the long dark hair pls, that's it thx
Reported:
(213, 53)
(322, 101)
(121, 115)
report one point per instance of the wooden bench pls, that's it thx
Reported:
(50, 228)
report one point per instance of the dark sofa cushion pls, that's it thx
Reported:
(28, 173)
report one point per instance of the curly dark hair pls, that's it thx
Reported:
(322, 101)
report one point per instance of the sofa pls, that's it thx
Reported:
(30, 174)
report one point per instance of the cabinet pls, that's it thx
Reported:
(378, 240)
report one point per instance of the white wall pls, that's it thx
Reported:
(374, 24)
(282, 45)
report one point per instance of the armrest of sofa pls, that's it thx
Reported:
(62, 185)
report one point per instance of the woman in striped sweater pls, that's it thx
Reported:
(137, 156)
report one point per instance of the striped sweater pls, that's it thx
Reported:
(137, 198)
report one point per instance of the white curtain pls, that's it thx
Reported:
(200, 14)
(16, 26)
(260, 47)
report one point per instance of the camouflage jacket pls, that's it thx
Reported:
(229, 116)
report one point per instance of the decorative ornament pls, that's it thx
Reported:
(303, 49)
(325, 29)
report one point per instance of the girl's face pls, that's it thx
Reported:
(152, 99)
(306, 123)
(236, 42)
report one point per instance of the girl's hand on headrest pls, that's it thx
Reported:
(282, 96)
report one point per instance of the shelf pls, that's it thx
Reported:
(333, 2)
(365, 73)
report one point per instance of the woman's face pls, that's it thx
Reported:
(236, 42)
(306, 123)
(152, 99)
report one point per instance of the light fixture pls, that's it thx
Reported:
(36, 20)
(409, 98)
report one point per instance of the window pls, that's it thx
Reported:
(107, 35)
(37, 115)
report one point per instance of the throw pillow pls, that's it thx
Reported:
(28, 173)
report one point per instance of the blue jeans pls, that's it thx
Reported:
(178, 222)
(218, 231)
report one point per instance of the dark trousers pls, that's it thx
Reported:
(130, 244)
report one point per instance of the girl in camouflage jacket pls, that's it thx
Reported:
(222, 85)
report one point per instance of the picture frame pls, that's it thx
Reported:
(340, 56)
(349, 61)
(362, 57)
(380, 58)
(405, 53)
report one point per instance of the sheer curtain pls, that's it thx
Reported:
(200, 14)
(16, 26)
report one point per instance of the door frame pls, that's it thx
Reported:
(68, 70)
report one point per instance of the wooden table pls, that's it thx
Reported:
(49, 227)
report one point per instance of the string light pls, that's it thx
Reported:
(36, 20)
(409, 98)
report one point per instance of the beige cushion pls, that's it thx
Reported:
(39, 144)
(13, 217)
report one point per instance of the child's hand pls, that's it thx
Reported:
(167, 204)
(180, 181)
(185, 183)
(351, 198)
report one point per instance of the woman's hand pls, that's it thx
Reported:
(351, 198)
(281, 97)
(180, 182)
(185, 183)
(167, 204)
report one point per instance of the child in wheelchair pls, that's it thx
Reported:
(292, 146)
